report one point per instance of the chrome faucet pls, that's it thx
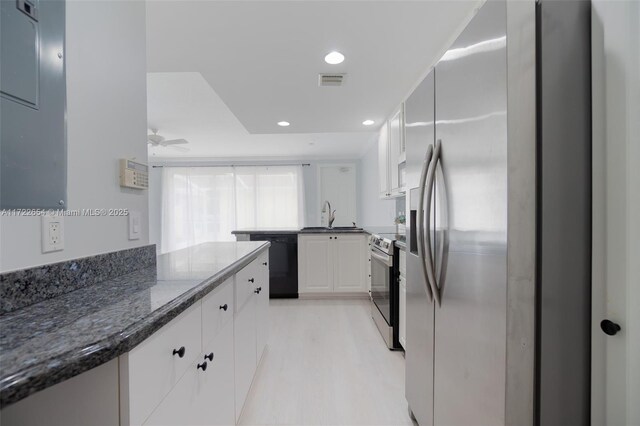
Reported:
(332, 214)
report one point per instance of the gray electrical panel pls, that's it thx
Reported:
(33, 146)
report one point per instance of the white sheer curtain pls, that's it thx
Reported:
(202, 204)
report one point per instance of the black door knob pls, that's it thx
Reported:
(180, 351)
(264, 263)
(209, 357)
(258, 290)
(610, 327)
(251, 280)
(224, 307)
(203, 366)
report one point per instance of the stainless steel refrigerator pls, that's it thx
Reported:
(498, 262)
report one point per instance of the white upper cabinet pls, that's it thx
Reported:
(383, 162)
(392, 155)
(396, 143)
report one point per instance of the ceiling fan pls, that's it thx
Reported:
(154, 139)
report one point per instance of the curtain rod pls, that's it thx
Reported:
(232, 165)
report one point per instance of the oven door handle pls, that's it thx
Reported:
(387, 260)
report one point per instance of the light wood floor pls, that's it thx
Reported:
(326, 363)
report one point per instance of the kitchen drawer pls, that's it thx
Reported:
(217, 310)
(152, 369)
(203, 396)
(402, 262)
(263, 260)
(247, 280)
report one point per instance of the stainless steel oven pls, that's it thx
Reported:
(384, 289)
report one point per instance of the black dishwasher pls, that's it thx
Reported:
(283, 264)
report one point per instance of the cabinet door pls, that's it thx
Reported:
(402, 329)
(245, 351)
(218, 399)
(395, 146)
(315, 264)
(383, 161)
(151, 369)
(348, 256)
(262, 305)
(217, 310)
(245, 284)
(202, 397)
(367, 265)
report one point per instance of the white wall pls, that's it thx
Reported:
(106, 120)
(372, 211)
(615, 371)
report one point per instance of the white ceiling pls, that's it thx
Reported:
(183, 105)
(223, 73)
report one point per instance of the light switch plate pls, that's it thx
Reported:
(135, 225)
(52, 233)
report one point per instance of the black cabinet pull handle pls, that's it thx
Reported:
(209, 357)
(180, 351)
(251, 280)
(264, 263)
(203, 366)
(609, 327)
(258, 290)
(224, 307)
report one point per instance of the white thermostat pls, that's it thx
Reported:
(133, 174)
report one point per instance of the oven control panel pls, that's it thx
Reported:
(382, 244)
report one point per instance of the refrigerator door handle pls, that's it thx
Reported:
(420, 225)
(431, 174)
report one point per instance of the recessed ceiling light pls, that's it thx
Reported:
(334, 58)
(368, 122)
(283, 123)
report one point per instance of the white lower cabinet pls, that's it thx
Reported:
(332, 263)
(152, 369)
(251, 321)
(349, 252)
(402, 329)
(367, 265)
(201, 396)
(245, 353)
(198, 368)
(262, 306)
(315, 264)
(402, 310)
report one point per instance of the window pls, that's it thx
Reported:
(201, 204)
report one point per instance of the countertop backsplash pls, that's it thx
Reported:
(28, 286)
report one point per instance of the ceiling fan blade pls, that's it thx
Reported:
(174, 142)
(178, 148)
(155, 138)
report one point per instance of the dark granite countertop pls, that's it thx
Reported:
(336, 230)
(308, 230)
(402, 245)
(267, 231)
(389, 231)
(48, 342)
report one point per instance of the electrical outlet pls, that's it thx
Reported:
(52, 233)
